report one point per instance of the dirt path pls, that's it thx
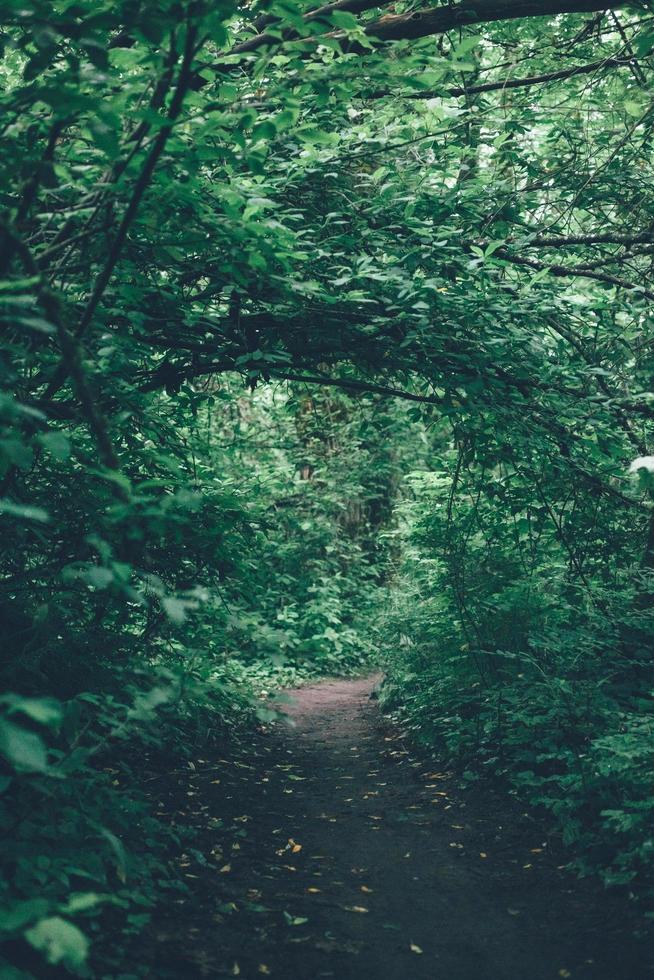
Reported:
(331, 852)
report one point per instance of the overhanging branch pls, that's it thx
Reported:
(468, 13)
(436, 20)
(573, 272)
(350, 385)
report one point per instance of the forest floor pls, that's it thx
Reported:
(331, 849)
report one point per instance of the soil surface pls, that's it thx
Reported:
(329, 849)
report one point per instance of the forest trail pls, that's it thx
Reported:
(343, 855)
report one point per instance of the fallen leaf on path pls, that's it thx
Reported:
(262, 968)
(368, 891)
(225, 868)
(564, 973)
(314, 891)
(228, 907)
(482, 854)
(414, 948)
(295, 920)
(355, 908)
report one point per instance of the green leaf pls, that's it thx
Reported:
(47, 711)
(174, 608)
(57, 444)
(24, 750)
(24, 511)
(59, 941)
(99, 577)
(20, 914)
(345, 20)
(82, 902)
(295, 920)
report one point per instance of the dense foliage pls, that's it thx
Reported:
(326, 336)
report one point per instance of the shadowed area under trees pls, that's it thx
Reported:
(327, 352)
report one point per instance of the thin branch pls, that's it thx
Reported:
(350, 385)
(72, 359)
(140, 188)
(510, 83)
(540, 79)
(593, 238)
(142, 183)
(572, 272)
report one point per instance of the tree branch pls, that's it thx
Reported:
(439, 20)
(552, 76)
(572, 271)
(142, 184)
(594, 238)
(509, 83)
(350, 385)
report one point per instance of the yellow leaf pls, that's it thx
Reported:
(314, 891)
(414, 948)
(225, 868)
(564, 973)
(263, 969)
(482, 854)
(368, 891)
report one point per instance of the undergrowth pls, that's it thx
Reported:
(532, 677)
